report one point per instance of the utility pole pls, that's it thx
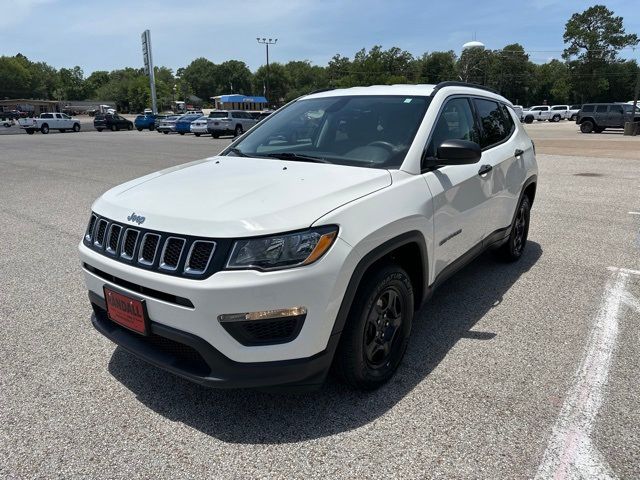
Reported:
(148, 67)
(266, 42)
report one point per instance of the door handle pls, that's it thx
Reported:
(485, 169)
(518, 152)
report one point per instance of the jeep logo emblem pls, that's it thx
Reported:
(139, 219)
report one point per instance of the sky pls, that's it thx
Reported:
(105, 35)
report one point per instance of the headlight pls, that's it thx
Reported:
(282, 251)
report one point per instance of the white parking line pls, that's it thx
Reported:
(570, 453)
(634, 213)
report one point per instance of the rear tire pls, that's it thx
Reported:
(44, 129)
(139, 129)
(30, 131)
(129, 126)
(528, 119)
(152, 128)
(114, 128)
(573, 118)
(166, 133)
(62, 130)
(197, 134)
(587, 126)
(215, 135)
(514, 247)
(555, 118)
(99, 129)
(376, 335)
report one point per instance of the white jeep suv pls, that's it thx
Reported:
(313, 238)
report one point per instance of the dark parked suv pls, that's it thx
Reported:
(597, 117)
(111, 121)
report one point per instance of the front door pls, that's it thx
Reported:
(460, 192)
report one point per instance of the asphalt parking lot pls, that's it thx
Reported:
(512, 371)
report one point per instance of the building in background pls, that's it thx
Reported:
(239, 102)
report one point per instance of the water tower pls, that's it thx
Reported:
(473, 44)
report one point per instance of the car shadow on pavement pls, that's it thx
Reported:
(254, 417)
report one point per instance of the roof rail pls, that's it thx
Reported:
(464, 84)
(320, 90)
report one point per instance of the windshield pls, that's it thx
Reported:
(218, 115)
(366, 131)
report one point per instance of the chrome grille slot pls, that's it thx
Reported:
(92, 224)
(100, 233)
(129, 243)
(148, 248)
(199, 257)
(113, 238)
(171, 253)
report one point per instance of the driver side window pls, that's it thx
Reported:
(455, 122)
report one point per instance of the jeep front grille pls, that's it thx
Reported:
(168, 253)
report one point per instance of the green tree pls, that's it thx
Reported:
(436, 67)
(202, 75)
(71, 83)
(234, 76)
(594, 39)
(15, 78)
(278, 82)
(510, 72)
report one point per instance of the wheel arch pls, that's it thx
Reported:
(402, 250)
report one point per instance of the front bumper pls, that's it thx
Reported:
(193, 306)
(196, 360)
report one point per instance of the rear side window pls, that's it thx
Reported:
(616, 109)
(496, 126)
(46, 115)
(456, 122)
(588, 108)
(601, 109)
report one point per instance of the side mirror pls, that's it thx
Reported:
(458, 152)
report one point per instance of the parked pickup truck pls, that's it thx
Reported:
(538, 112)
(50, 121)
(566, 112)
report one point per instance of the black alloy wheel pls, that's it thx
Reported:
(514, 247)
(376, 333)
(381, 330)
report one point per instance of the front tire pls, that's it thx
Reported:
(114, 128)
(76, 127)
(555, 118)
(514, 247)
(528, 119)
(30, 131)
(238, 131)
(139, 129)
(129, 126)
(377, 332)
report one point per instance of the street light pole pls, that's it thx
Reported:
(266, 42)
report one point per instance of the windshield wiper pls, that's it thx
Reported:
(238, 152)
(297, 156)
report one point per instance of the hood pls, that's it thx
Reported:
(230, 197)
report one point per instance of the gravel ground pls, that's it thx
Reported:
(489, 365)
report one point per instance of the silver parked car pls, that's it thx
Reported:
(226, 122)
(168, 124)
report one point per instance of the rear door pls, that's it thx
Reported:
(502, 151)
(615, 117)
(460, 193)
